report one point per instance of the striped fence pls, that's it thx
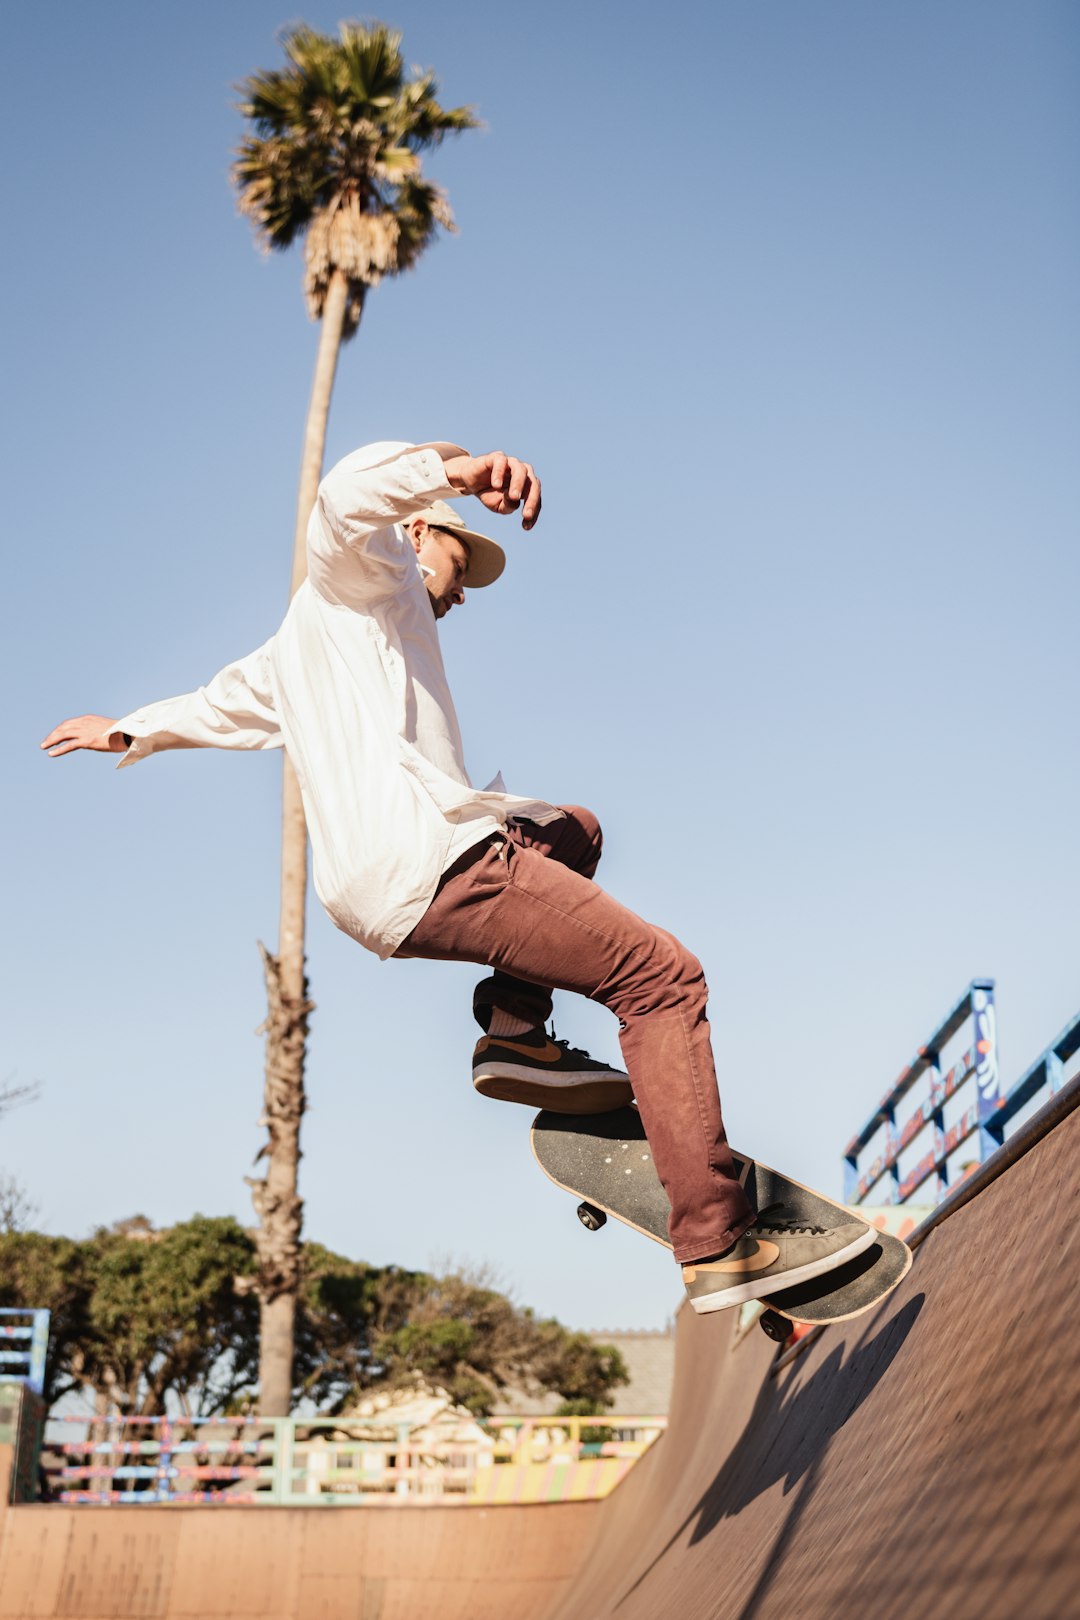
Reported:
(323, 1462)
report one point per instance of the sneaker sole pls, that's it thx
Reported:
(764, 1287)
(562, 1094)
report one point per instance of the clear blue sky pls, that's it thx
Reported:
(782, 302)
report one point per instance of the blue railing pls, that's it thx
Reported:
(984, 1122)
(1047, 1072)
(978, 1062)
(24, 1337)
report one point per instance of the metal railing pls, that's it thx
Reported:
(225, 1462)
(1053, 1111)
(978, 1063)
(1048, 1073)
(24, 1336)
(984, 1122)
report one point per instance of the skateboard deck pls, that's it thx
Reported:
(605, 1160)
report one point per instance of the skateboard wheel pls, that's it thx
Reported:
(776, 1326)
(591, 1217)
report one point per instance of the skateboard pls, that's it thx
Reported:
(604, 1159)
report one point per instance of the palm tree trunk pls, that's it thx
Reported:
(277, 1204)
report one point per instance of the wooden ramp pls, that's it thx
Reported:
(923, 1460)
(506, 1563)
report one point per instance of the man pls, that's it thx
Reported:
(411, 860)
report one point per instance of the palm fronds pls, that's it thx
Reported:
(332, 155)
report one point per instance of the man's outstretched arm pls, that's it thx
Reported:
(234, 710)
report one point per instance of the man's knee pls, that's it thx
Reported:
(665, 977)
(687, 976)
(589, 837)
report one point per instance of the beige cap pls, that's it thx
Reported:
(487, 559)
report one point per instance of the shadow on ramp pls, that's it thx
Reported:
(791, 1428)
(926, 1462)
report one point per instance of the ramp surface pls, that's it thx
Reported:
(922, 1460)
(268, 1563)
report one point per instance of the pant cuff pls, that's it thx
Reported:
(691, 1253)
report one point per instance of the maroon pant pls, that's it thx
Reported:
(526, 905)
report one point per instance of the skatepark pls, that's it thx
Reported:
(297, 1320)
(921, 1458)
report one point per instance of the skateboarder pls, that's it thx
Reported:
(412, 860)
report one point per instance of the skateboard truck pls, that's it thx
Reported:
(776, 1326)
(591, 1217)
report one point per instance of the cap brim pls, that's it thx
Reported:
(487, 559)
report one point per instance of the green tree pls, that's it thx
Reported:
(168, 1316)
(332, 156)
(341, 1302)
(141, 1317)
(584, 1373)
(38, 1272)
(463, 1335)
(137, 1315)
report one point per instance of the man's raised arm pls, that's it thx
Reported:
(501, 482)
(234, 710)
(365, 494)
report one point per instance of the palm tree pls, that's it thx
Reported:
(332, 156)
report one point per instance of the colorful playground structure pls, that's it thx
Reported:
(340, 1462)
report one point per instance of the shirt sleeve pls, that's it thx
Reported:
(355, 549)
(234, 710)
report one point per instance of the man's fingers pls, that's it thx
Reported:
(84, 731)
(519, 477)
(532, 500)
(522, 485)
(510, 483)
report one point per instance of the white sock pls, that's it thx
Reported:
(504, 1023)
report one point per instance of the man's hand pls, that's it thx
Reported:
(87, 731)
(502, 482)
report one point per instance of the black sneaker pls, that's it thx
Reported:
(542, 1072)
(771, 1255)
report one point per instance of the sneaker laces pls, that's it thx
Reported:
(578, 1051)
(767, 1221)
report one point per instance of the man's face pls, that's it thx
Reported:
(441, 551)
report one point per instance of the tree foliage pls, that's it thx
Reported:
(137, 1314)
(38, 1272)
(333, 155)
(143, 1317)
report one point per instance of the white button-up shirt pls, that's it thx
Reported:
(353, 686)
